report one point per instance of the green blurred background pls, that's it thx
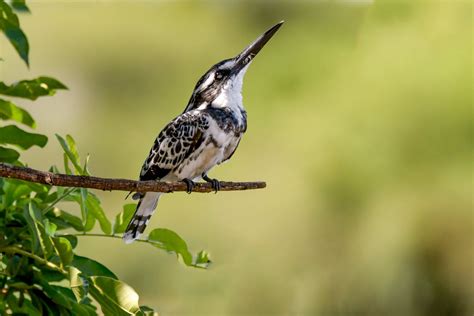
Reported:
(360, 121)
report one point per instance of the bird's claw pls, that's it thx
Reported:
(216, 185)
(189, 185)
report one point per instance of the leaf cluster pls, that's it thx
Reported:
(12, 136)
(41, 272)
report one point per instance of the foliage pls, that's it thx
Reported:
(40, 270)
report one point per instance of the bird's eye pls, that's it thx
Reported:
(218, 75)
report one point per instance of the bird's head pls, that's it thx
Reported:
(221, 85)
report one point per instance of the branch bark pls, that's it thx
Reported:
(109, 184)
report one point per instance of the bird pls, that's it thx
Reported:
(206, 134)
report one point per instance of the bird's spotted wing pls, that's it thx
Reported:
(173, 145)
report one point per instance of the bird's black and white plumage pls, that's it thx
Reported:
(206, 134)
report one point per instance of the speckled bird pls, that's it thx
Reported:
(206, 134)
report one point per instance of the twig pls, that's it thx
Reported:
(101, 235)
(51, 206)
(148, 241)
(15, 250)
(108, 184)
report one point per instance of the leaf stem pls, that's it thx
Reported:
(15, 250)
(51, 206)
(109, 236)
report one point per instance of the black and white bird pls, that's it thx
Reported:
(206, 134)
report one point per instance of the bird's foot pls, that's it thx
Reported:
(189, 184)
(216, 185)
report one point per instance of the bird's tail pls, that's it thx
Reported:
(145, 208)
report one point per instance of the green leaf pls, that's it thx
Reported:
(84, 309)
(18, 285)
(86, 165)
(64, 248)
(70, 150)
(13, 135)
(51, 275)
(19, 5)
(72, 147)
(44, 303)
(72, 240)
(54, 169)
(45, 241)
(93, 205)
(35, 236)
(56, 294)
(32, 89)
(89, 267)
(123, 218)
(38, 188)
(10, 25)
(74, 221)
(12, 190)
(83, 203)
(21, 190)
(9, 111)
(8, 155)
(26, 308)
(170, 241)
(202, 260)
(49, 228)
(78, 283)
(66, 164)
(114, 296)
(91, 211)
(54, 299)
(90, 222)
(35, 222)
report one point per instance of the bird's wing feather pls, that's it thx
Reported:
(231, 153)
(173, 145)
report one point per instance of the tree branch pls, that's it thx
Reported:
(107, 184)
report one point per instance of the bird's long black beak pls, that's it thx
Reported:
(244, 58)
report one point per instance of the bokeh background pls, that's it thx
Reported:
(360, 121)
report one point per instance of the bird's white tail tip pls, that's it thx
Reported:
(128, 238)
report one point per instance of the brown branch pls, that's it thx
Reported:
(107, 184)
